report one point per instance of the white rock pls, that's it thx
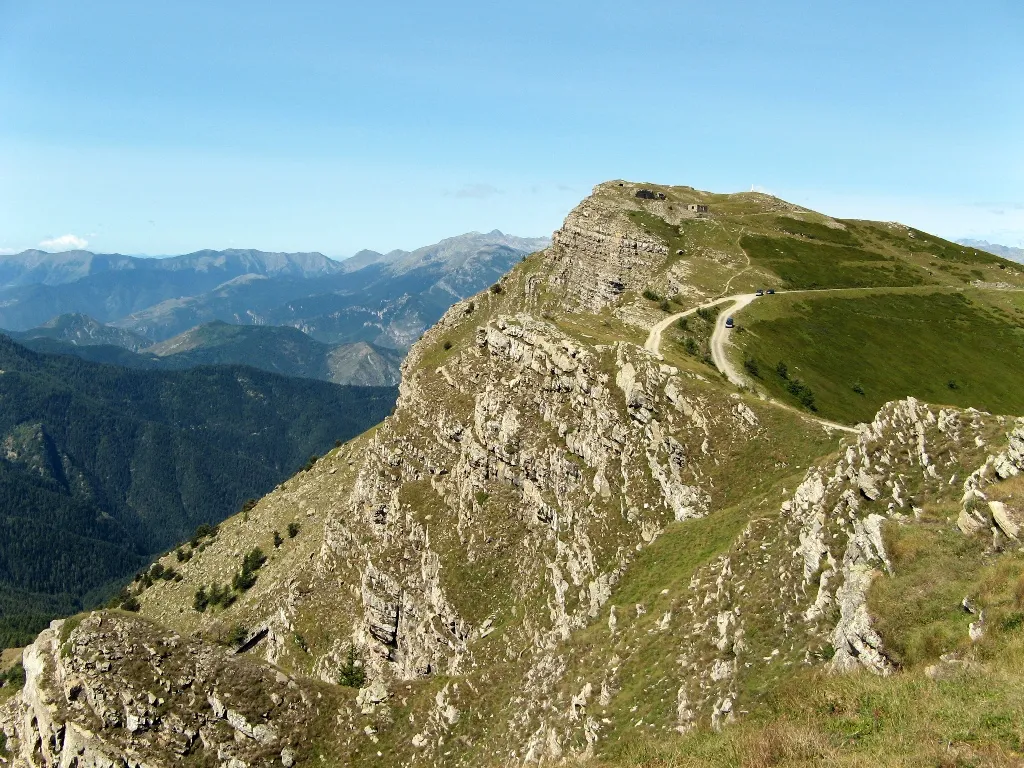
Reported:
(976, 630)
(1001, 516)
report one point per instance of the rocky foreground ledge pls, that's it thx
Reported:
(114, 689)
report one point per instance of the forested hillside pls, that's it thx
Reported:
(284, 350)
(102, 467)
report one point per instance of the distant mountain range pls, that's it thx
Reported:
(277, 349)
(103, 466)
(303, 314)
(1006, 251)
(36, 286)
(78, 330)
(384, 298)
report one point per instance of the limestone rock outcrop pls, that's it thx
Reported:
(115, 690)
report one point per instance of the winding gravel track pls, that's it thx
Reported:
(653, 343)
(718, 351)
(718, 339)
(720, 335)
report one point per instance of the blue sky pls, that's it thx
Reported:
(164, 128)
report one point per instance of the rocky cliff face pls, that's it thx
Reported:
(598, 252)
(556, 538)
(117, 690)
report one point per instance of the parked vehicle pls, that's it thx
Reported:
(759, 292)
(771, 291)
(729, 323)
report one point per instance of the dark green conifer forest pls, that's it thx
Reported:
(103, 467)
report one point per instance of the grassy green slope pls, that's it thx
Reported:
(791, 248)
(808, 254)
(810, 264)
(857, 351)
(969, 712)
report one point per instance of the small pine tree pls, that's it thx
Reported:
(278, 541)
(220, 594)
(201, 600)
(293, 530)
(131, 604)
(352, 673)
(254, 560)
(14, 677)
(243, 580)
(236, 635)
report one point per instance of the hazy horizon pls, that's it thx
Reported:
(333, 257)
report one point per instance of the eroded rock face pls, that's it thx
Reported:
(589, 452)
(800, 577)
(976, 512)
(598, 253)
(117, 691)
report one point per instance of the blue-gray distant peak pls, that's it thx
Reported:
(388, 299)
(1006, 251)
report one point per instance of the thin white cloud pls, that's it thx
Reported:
(64, 243)
(7, 251)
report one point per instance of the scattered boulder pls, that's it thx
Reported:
(1001, 517)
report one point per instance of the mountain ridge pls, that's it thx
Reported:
(1006, 251)
(282, 350)
(67, 266)
(36, 286)
(563, 545)
(81, 330)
